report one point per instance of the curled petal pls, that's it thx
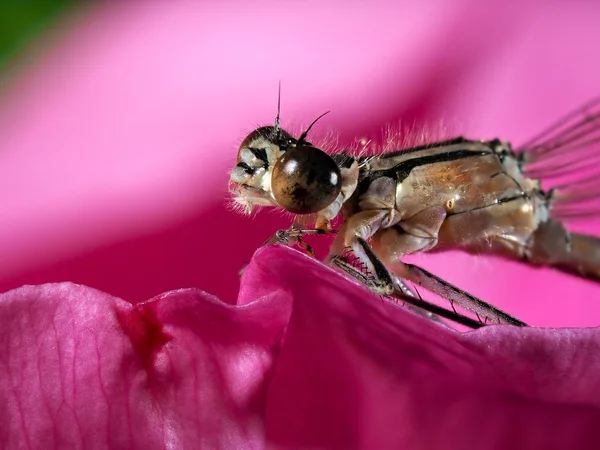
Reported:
(357, 371)
(306, 359)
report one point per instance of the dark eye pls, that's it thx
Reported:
(305, 180)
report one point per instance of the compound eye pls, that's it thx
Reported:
(305, 180)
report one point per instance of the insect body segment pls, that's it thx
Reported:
(457, 194)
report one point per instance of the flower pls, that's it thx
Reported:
(307, 359)
(115, 151)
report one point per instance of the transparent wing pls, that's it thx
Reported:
(565, 157)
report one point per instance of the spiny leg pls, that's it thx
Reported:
(401, 289)
(484, 311)
(435, 312)
(382, 282)
(294, 236)
(453, 294)
(406, 290)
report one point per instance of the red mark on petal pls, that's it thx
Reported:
(145, 331)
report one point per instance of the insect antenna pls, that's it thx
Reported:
(302, 138)
(277, 127)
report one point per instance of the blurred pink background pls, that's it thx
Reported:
(117, 134)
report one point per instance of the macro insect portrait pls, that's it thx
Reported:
(474, 195)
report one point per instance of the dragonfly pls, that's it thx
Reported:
(479, 196)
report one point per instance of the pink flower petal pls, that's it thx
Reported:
(115, 151)
(129, 123)
(82, 369)
(308, 359)
(357, 371)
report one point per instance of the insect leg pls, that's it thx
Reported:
(420, 277)
(406, 290)
(452, 293)
(380, 280)
(291, 237)
(386, 284)
(294, 236)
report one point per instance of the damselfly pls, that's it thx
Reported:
(478, 196)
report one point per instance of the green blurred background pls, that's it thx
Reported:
(21, 22)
